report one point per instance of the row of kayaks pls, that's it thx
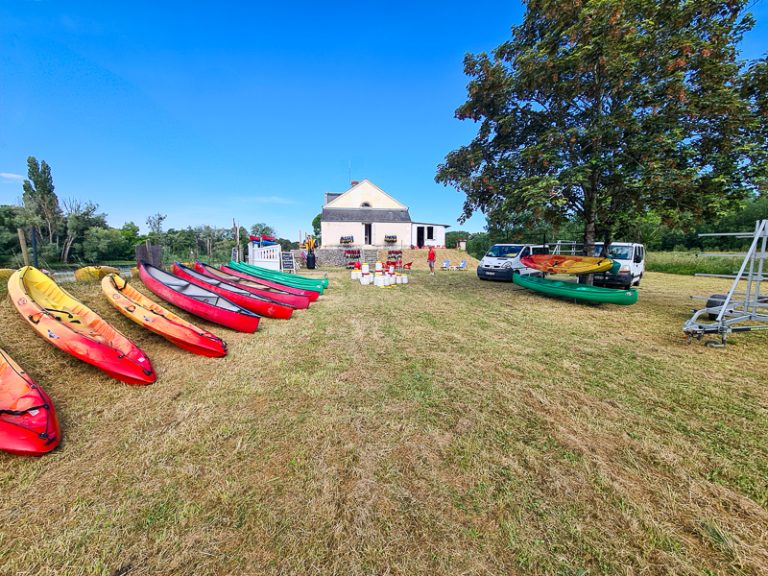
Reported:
(236, 296)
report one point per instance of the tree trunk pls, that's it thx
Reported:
(65, 251)
(590, 219)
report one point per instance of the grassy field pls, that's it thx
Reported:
(452, 426)
(690, 263)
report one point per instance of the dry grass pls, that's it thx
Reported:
(448, 427)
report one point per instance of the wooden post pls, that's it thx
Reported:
(237, 236)
(23, 244)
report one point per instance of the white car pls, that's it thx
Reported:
(503, 260)
(632, 259)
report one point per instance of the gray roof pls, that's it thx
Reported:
(365, 215)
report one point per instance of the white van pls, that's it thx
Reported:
(503, 260)
(632, 259)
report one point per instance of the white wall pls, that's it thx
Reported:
(332, 231)
(400, 229)
(438, 235)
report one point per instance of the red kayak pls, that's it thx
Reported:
(28, 422)
(60, 319)
(197, 300)
(247, 300)
(311, 294)
(279, 296)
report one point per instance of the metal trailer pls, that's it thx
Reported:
(737, 311)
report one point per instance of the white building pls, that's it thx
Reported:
(365, 215)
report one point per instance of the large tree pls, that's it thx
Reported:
(262, 229)
(40, 200)
(80, 217)
(600, 111)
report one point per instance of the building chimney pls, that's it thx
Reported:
(355, 182)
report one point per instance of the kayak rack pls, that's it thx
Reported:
(567, 248)
(739, 310)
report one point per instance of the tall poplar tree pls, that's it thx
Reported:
(600, 111)
(40, 200)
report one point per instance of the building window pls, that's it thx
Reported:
(430, 232)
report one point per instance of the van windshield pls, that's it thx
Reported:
(615, 252)
(504, 251)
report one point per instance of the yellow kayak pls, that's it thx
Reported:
(561, 264)
(73, 327)
(91, 273)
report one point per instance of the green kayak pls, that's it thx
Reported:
(316, 284)
(585, 292)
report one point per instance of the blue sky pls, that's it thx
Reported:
(206, 111)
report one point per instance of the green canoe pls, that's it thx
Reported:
(585, 292)
(316, 284)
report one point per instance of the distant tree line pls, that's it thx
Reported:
(73, 231)
(651, 231)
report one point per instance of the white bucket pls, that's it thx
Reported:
(391, 269)
(379, 267)
(398, 279)
(405, 279)
(355, 274)
(365, 279)
(366, 268)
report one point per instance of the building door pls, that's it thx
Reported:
(368, 234)
(419, 236)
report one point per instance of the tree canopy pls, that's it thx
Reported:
(603, 112)
(262, 229)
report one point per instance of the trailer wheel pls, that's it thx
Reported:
(715, 300)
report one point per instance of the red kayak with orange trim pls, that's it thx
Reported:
(28, 422)
(134, 305)
(73, 327)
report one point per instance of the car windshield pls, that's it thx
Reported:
(504, 251)
(615, 252)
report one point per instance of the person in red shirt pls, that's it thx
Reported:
(431, 260)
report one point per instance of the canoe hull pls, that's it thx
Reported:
(276, 295)
(134, 305)
(227, 318)
(235, 294)
(318, 285)
(312, 295)
(90, 339)
(28, 422)
(575, 291)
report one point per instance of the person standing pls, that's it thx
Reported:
(431, 260)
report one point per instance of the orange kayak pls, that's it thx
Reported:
(73, 327)
(134, 305)
(564, 264)
(28, 422)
